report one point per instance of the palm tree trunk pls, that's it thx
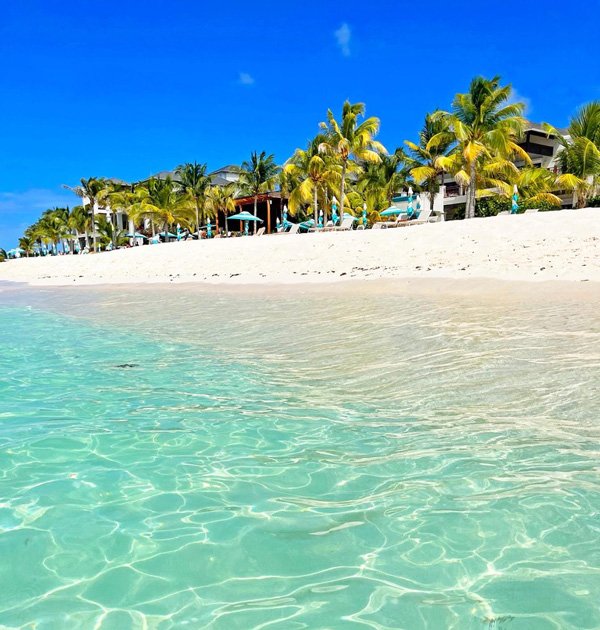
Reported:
(470, 205)
(197, 219)
(94, 226)
(315, 204)
(255, 211)
(342, 186)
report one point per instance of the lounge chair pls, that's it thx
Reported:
(502, 213)
(260, 231)
(400, 219)
(294, 229)
(531, 210)
(327, 228)
(424, 217)
(345, 225)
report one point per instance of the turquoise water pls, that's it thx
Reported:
(218, 460)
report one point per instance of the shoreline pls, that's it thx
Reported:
(535, 248)
(484, 288)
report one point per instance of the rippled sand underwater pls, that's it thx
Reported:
(304, 459)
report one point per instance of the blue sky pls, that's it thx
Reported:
(126, 89)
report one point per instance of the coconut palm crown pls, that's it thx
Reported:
(350, 140)
(486, 128)
(257, 175)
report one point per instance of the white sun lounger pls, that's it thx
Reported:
(424, 217)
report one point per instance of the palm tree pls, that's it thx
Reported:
(109, 234)
(580, 154)
(26, 243)
(60, 216)
(435, 140)
(122, 197)
(51, 228)
(310, 174)
(258, 175)
(348, 140)
(80, 222)
(485, 126)
(160, 201)
(93, 189)
(380, 181)
(3, 255)
(220, 199)
(535, 185)
(194, 181)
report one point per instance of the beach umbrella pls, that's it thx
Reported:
(245, 216)
(277, 224)
(167, 235)
(178, 232)
(135, 235)
(334, 207)
(515, 200)
(321, 218)
(391, 211)
(418, 205)
(208, 230)
(284, 217)
(410, 209)
(364, 215)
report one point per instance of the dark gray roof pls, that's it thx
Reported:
(533, 126)
(228, 168)
(217, 180)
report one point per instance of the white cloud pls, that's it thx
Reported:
(342, 37)
(246, 79)
(517, 97)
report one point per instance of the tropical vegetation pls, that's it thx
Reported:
(476, 146)
(257, 175)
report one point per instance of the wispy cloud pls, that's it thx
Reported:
(342, 37)
(246, 79)
(517, 97)
(20, 209)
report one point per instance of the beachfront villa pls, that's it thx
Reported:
(543, 149)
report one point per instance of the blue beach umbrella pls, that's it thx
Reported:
(515, 200)
(208, 230)
(410, 209)
(334, 207)
(392, 211)
(320, 218)
(364, 215)
(246, 217)
(178, 232)
(285, 221)
(277, 225)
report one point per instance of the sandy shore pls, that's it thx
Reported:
(562, 246)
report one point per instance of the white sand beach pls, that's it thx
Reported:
(562, 246)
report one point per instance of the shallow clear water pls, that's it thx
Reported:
(305, 460)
